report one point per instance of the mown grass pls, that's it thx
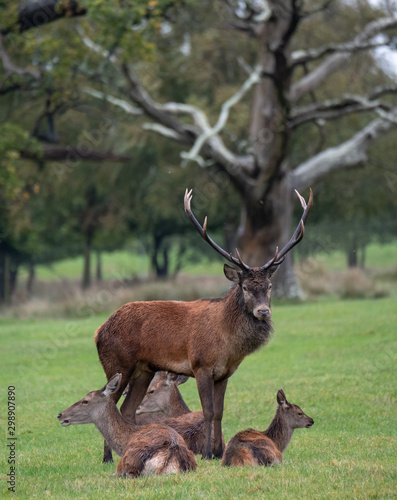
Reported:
(336, 359)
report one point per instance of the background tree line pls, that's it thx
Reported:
(101, 104)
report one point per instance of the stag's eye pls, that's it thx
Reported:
(84, 402)
(300, 414)
(151, 392)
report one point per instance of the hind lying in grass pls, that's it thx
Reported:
(251, 447)
(145, 450)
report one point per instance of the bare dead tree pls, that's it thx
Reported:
(262, 176)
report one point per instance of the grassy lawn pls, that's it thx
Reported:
(126, 263)
(336, 359)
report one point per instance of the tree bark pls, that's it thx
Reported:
(35, 14)
(31, 278)
(86, 280)
(98, 272)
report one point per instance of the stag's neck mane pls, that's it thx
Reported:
(250, 332)
(279, 432)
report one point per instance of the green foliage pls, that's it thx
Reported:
(337, 363)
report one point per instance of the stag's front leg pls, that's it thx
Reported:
(205, 387)
(219, 397)
(136, 392)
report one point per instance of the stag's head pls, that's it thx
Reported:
(254, 282)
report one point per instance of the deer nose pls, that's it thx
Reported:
(263, 313)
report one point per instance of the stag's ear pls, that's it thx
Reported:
(272, 270)
(231, 273)
(112, 385)
(282, 400)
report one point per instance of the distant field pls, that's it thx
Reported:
(336, 359)
(127, 264)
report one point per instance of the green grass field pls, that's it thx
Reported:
(336, 359)
(126, 263)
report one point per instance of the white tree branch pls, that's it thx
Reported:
(336, 108)
(95, 47)
(126, 106)
(335, 61)
(208, 131)
(10, 68)
(306, 56)
(164, 131)
(348, 154)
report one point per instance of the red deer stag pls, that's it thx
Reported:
(163, 403)
(251, 447)
(206, 339)
(144, 450)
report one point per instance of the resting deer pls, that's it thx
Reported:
(251, 447)
(206, 339)
(151, 449)
(163, 403)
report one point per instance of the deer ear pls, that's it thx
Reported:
(231, 273)
(174, 377)
(282, 400)
(181, 379)
(112, 385)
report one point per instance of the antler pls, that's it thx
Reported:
(296, 237)
(203, 232)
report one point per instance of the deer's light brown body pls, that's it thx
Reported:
(255, 448)
(151, 449)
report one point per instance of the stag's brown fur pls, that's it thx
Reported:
(255, 448)
(151, 449)
(163, 403)
(206, 339)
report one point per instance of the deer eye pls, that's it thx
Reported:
(151, 392)
(245, 288)
(300, 414)
(84, 402)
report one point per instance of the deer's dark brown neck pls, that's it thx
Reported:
(250, 332)
(114, 428)
(279, 431)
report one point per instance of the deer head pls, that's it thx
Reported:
(292, 414)
(87, 410)
(254, 282)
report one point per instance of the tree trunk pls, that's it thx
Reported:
(86, 281)
(160, 266)
(352, 260)
(3, 275)
(269, 221)
(31, 278)
(98, 272)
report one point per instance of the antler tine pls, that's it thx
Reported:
(298, 233)
(241, 263)
(204, 234)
